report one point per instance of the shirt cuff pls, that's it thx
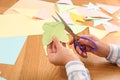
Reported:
(112, 57)
(74, 66)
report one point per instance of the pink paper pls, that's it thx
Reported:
(109, 8)
(91, 12)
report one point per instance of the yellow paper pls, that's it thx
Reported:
(77, 19)
(117, 33)
(98, 33)
(26, 12)
(18, 25)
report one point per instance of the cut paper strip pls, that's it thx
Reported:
(77, 28)
(100, 21)
(64, 7)
(91, 13)
(26, 12)
(111, 27)
(98, 33)
(77, 19)
(10, 49)
(92, 6)
(53, 29)
(66, 17)
(18, 25)
(109, 8)
(65, 2)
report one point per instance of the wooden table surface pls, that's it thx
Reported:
(33, 64)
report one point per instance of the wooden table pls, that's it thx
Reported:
(33, 64)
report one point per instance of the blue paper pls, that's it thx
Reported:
(2, 78)
(10, 49)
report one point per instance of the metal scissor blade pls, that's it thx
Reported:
(67, 28)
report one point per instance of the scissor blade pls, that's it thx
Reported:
(67, 28)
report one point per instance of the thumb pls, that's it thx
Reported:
(56, 42)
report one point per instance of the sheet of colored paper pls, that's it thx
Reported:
(26, 12)
(92, 6)
(65, 2)
(91, 12)
(111, 27)
(109, 8)
(97, 32)
(1, 78)
(77, 19)
(53, 29)
(10, 48)
(77, 28)
(64, 7)
(117, 34)
(18, 25)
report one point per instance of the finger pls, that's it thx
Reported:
(84, 55)
(57, 42)
(71, 41)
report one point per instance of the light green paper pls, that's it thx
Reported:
(53, 29)
(76, 28)
(64, 7)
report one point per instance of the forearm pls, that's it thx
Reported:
(77, 71)
(114, 55)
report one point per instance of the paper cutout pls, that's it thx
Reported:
(77, 28)
(64, 7)
(100, 21)
(18, 25)
(10, 48)
(92, 6)
(26, 12)
(91, 13)
(111, 27)
(109, 8)
(98, 33)
(77, 19)
(65, 2)
(53, 29)
(1, 78)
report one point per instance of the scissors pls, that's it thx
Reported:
(76, 37)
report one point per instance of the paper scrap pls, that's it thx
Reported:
(91, 12)
(67, 18)
(77, 18)
(18, 25)
(64, 7)
(10, 48)
(65, 2)
(111, 27)
(98, 33)
(109, 8)
(53, 29)
(100, 21)
(92, 6)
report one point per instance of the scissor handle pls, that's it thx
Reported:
(76, 43)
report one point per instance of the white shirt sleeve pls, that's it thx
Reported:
(114, 55)
(77, 71)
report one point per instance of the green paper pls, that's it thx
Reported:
(53, 29)
(76, 28)
(64, 7)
